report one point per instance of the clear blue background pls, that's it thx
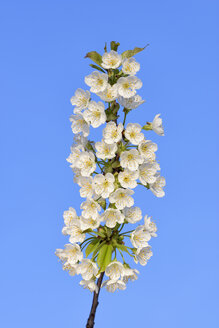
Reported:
(43, 43)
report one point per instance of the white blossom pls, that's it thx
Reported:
(71, 254)
(142, 255)
(86, 184)
(150, 226)
(90, 222)
(104, 184)
(111, 60)
(80, 141)
(80, 100)
(97, 81)
(130, 66)
(127, 86)
(157, 126)
(128, 178)
(131, 159)
(132, 214)
(112, 133)
(86, 163)
(70, 216)
(95, 114)
(90, 285)
(114, 270)
(104, 150)
(72, 269)
(140, 237)
(109, 94)
(87, 269)
(132, 102)
(74, 155)
(79, 125)
(147, 172)
(130, 274)
(157, 186)
(122, 198)
(90, 209)
(112, 285)
(76, 232)
(133, 133)
(77, 174)
(109, 204)
(147, 149)
(112, 217)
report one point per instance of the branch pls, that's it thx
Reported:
(90, 321)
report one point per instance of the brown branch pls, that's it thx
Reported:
(90, 321)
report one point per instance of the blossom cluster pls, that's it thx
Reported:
(107, 172)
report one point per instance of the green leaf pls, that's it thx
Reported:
(93, 55)
(104, 256)
(96, 250)
(90, 248)
(101, 255)
(108, 256)
(114, 45)
(130, 53)
(97, 67)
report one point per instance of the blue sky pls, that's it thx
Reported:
(42, 48)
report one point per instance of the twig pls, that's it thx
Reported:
(90, 321)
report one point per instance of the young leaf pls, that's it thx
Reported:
(96, 250)
(108, 256)
(93, 55)
(97, 67)
(90, 248)
(114, 45)
(101, 256)
(104, 256)
(130, 53)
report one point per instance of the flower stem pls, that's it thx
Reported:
(121, 227)
(90, 321)
(124, 233)
(86, 241)
(124, 118)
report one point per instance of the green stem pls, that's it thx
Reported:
(121, 227)
(141, 184)
(124, 118)
(121, 255)
(85, 245)
(96, 234)
(91, 233)
(86, 240)
(124, 233)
